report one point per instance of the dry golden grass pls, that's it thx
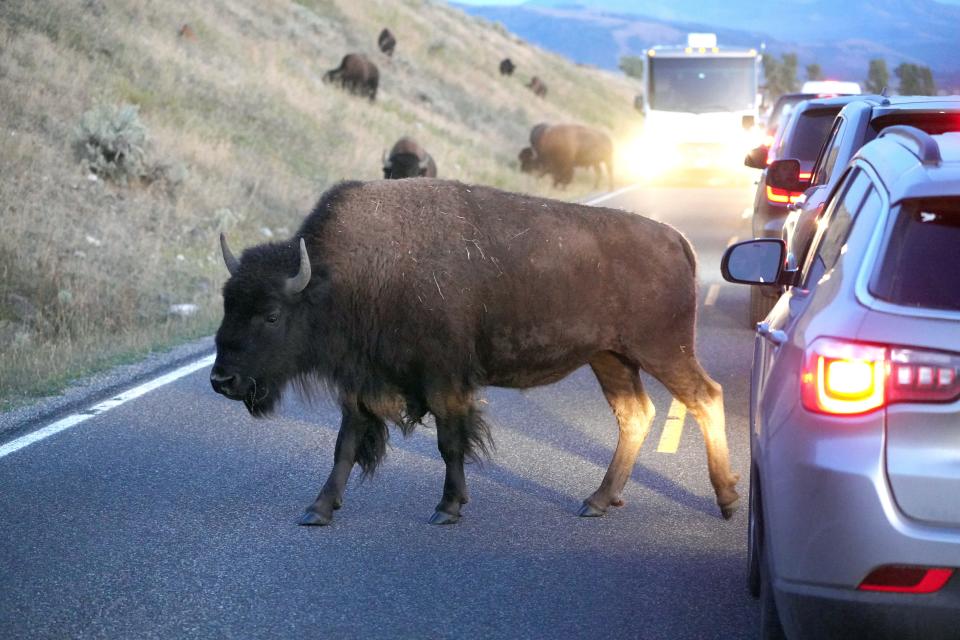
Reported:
(88, 269)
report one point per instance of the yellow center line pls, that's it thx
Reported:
(670, 438)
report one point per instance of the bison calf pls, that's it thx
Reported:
(408, 159)
(538, 87)
(406, 297)
(357, 74)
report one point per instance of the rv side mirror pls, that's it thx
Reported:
(747, 122)
(784, 174)
(756, 158)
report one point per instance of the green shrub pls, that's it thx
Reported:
(111, 142)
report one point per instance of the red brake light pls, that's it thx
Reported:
(846, 378)
(782, 196)
(805, 175)
(906, 579)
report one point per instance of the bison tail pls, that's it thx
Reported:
(373, 446)
(477, 440)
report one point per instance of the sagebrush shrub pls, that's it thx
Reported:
(111, 141)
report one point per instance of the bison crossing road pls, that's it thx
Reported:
(407, 297)
(558, 149)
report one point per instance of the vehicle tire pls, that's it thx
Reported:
(760, 304)
(770, 627)
(754, 535)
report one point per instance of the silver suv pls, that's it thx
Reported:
(854, 527)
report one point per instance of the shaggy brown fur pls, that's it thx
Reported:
(421, 292)
(557, 149)
(356, 74)
(407, 159)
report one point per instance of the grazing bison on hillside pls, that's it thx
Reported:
(538, 87)
(386, 42)
(356, 74)
(557, 149)
(507, 67)
(406, 297)
(407, 159)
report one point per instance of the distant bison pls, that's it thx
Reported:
(357, 74)
(407, 159)
(538, 87)
(406, 297)
(386, 42)
(507, 67)
(558, 149)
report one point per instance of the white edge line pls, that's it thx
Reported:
(74, 419)
(612, 194)
(712, 294)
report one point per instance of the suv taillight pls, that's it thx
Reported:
(842, 377)
(906, 579)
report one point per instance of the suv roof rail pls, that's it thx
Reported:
(925, 146)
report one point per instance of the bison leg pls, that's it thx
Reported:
(460, 432)
(354, 427)
(634, 411)
(703, 397)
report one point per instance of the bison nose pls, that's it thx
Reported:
(224, 383)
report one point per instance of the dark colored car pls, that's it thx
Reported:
(858, 123)
(854, 523)
(799, 138)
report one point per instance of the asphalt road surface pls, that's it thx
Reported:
(174, 515)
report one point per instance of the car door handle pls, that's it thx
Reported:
(776, 336)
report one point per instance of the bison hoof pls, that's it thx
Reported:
(590, 511)
(314, 519)
(442, 517)
(728, 510)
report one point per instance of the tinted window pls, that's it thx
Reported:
(918, 268)
(809, 133)
(828, 154)
(835, 226)
(702, 85)
(932, 123)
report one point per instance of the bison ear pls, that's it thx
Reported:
(233, 265)
(299, 282)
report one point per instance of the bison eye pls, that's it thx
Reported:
(272, 317)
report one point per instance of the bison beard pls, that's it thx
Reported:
(406, 297)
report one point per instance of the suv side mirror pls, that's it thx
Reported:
(754, 261)
(785, 174)
(756, 158)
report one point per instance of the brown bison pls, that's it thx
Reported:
(507, 67)
(408, 159)
(356, 74)
(557, 149)
(538, 87)
(386, 42)
(406, 297)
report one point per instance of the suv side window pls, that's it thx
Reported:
(835, 226)
(823, 167)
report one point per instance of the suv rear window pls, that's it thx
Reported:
(932, 123)
(809, 134)
(919, 263)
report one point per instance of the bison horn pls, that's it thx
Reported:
(233, 265)
(299, 282)
(387, 163)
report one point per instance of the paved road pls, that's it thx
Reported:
(173, 515)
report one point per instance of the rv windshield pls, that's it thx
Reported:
(702, 84)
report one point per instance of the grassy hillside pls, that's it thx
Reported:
(241, 135)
